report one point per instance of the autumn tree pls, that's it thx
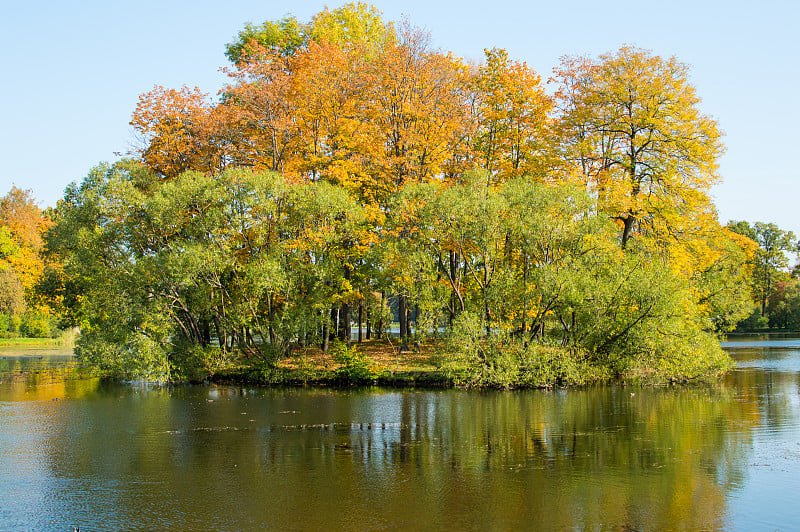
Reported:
(299, 110)
(22, 223)
(329, 85)
(21, 226)
(512, 112)
(173, 125)
(416, 108)
(632, 128)
(262, 113)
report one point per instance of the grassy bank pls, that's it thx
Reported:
(33, 342)
(65, 339)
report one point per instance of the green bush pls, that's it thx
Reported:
(137, 357)
(5, 326)
(755, 321)
(355, 366)
(10, 325)
(505, 361)
(195, 363)
(692, 356)
(36, 324)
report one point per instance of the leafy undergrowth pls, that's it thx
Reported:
(373, 362)
(432, 364)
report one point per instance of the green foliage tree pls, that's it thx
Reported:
(771, 258)
(284, 36)
(542, 276)
(198, 265)
(783, 305)
(351, 23)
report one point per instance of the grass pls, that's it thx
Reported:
(65, 339)
(31, 342)
(388, 366)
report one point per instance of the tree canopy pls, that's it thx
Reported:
(632, 128)
(349, 167)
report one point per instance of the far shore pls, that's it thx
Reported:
(32, 342)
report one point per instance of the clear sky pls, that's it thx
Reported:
(73, 71)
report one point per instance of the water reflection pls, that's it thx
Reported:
(42, 374)
(109, 457)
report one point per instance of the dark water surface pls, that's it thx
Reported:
(79, 452)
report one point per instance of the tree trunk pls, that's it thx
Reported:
(360, 320)
(627, 227)
(326, 335)
(403, 317)
(524, 296)
(381, 325)
(206, 332)
(221, 339)
(409, 313)
(345, 315)
(765, 293)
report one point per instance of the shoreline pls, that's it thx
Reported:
(377, 363)
(35, 342)
(422, 379)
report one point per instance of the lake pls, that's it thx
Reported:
(80, 452)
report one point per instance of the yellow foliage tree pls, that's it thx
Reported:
(632, 129)
(417, 109)
(21, 226)
(512, 110)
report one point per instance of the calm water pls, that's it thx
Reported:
(78, 452)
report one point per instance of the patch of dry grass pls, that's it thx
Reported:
(384, 352)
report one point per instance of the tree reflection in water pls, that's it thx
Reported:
(243, 458)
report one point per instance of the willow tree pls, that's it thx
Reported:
(632, 127)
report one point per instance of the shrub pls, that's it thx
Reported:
(355, 366)
(38, 324)
(504, 361)
(195, 363)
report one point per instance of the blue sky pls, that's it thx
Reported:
(73, 71)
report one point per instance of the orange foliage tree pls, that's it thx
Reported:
(174, 124)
